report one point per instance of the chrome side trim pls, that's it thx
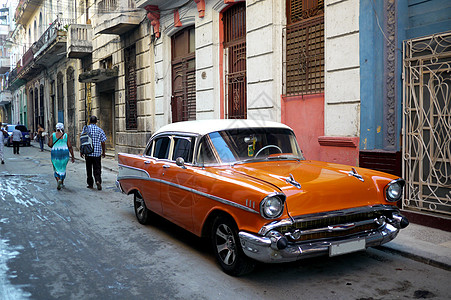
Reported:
(212, 197)
(141, 174)
(127, 172)
(118, 185)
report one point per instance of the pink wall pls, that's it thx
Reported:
(305, 114)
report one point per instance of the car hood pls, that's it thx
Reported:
(323, 186)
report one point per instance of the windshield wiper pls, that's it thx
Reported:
(284, 157)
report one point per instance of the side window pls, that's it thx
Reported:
(161, 147)
(205, 155)
(183, 147)
(148, 151)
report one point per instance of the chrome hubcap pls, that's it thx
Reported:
(225, 244)
(139, 205)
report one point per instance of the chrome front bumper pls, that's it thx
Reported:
(264, 249)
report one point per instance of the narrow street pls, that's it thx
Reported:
(79, 243)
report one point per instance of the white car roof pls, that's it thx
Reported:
(203, 127)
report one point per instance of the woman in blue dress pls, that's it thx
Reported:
(61, 147)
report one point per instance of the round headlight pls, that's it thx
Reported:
(271, 207)
(393, 191)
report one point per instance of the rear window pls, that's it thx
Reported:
(22, 128)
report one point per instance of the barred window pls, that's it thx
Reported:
(305, 47)
(131, 109)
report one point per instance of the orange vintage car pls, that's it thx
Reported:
(246, 185)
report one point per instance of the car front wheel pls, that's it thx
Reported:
(227, 247)
(141, 211)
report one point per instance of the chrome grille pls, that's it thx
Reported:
(335, 224)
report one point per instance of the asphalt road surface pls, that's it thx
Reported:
(79, 243)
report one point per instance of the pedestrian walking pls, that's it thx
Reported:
(61, 148)
(93, 160)
(17, 137)
(40, 136)
(3, 135)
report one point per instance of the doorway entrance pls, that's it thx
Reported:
(106, 117)
(427, 127)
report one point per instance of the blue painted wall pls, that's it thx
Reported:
(415, 18)
(426, 17)
(371, 74)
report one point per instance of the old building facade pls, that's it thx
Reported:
(335, 71)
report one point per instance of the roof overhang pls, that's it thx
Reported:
(98, 75)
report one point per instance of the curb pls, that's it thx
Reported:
(420, 258)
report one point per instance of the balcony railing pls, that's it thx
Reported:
(27, 58)
(58, 27)
(79, 40)
(107, 6)
(117, 16)
(25, 10)
(5, 64)
(20, 8)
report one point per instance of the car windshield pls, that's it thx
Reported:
(239, 145)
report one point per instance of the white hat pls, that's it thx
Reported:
(59, 126)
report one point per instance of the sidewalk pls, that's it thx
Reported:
(427, 245)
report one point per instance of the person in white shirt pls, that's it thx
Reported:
(17, 137)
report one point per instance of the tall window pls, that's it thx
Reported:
(70, 92)
(235, 48)
(131, 109)
(41, 28)
(60, 97)
(183, 103)
(36, 109)
(41, 106)
(305, 47)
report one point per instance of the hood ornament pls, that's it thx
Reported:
(292, 181)
(354, 173)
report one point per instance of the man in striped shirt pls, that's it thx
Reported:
(93, 160)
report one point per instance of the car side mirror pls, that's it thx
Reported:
(180, 162)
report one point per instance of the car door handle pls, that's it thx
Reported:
(147, 162)
(166, 166)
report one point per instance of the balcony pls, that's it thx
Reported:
(24, 71)
(117, 16)
(5, 64)
(79, 40)
(162, 4)
(5, 97)
(51, 47)
(25, 10)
